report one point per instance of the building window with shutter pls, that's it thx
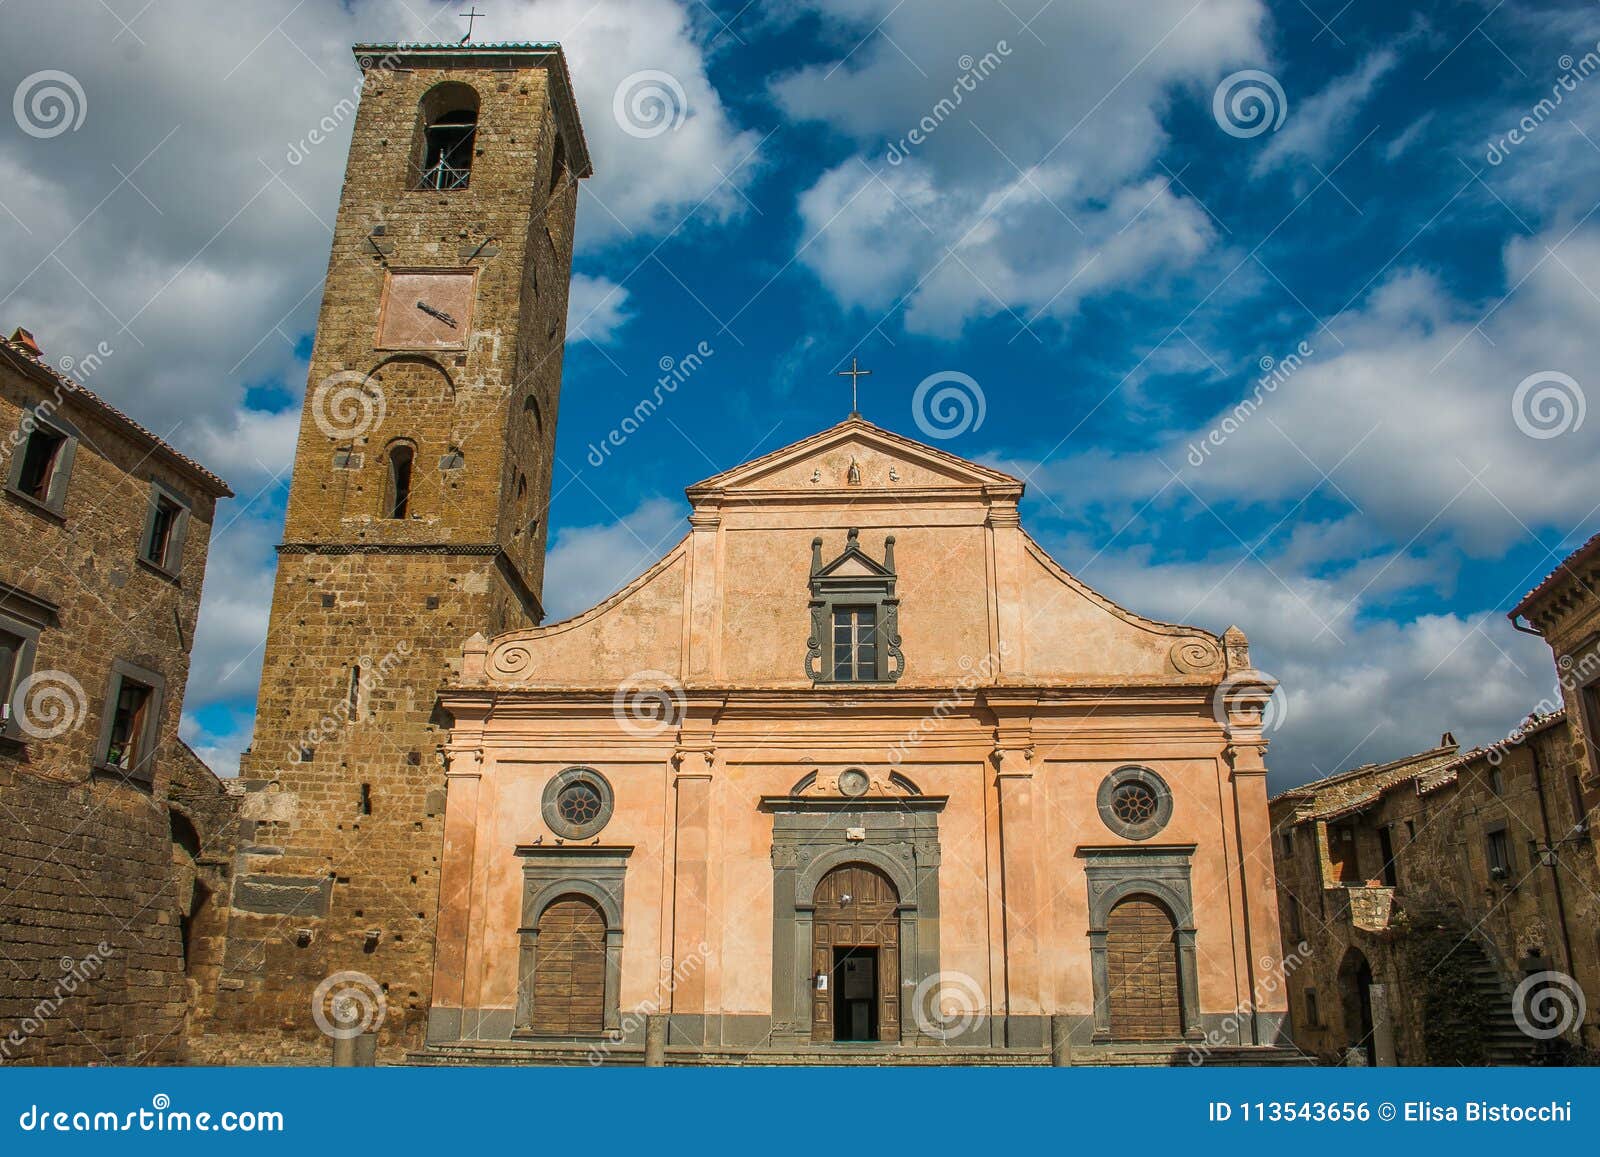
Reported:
(165, 526)
(23, 619)
(131, 723)
(1499, 853)
(42, 462)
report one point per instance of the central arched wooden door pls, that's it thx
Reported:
(1142, 971)
(855, 956)
(569, 978)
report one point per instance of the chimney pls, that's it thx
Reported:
(1447, 740)
(25, 339)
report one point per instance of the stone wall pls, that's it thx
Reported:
(1450, 940)
(102, 877)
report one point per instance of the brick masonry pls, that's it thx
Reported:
(344, 779)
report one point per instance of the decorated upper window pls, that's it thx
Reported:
(855, 616)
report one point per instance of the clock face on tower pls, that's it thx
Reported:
(426, 309)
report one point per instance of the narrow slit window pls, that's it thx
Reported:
(1499, 854)
(399, 504)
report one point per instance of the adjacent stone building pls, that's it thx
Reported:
(1443, 908)
(114, 836)
(1564, 609)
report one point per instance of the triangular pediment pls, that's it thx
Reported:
(853, 565)
(856, 456)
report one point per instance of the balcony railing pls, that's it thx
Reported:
(443, 176)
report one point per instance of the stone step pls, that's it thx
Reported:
(466, 1053)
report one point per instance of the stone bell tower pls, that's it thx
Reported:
(416, 517)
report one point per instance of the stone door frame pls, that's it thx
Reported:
(595, 873)
(1162, 873)
(813, 835)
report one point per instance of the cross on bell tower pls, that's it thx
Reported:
(854, 375)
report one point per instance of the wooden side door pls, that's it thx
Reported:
(889, 981)
(569, 979)
(822, 997)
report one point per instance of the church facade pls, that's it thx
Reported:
(858, 764)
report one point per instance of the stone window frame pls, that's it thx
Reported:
(550, 809)
(26, 618)
(1587, 694)
(1506, 869)
(55, 499)
(170, 564)
(595, 873)
(1162, 874)
(1134, 773)
(143, 772)
(1313, 1009)
(831, 592)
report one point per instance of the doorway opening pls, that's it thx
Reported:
(855, 957)
(1355, 994)
(855, 1008)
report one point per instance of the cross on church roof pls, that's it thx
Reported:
(471, 17)
(854, 375)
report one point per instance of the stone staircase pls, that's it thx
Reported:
(1506, 1042)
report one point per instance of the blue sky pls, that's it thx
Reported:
(1110, 256)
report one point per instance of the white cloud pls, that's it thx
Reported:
(185, 223)
(1357, 686)
(1033, 186)
(255, 451)
(1408, 137)
(956, 253)
(596, 309)
(643, 183)
(586, 564)
(1317, 124)
(1413, 416)
(219, 750)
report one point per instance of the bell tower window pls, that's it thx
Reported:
(449, 129)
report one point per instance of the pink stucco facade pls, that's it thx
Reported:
(986, 760)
